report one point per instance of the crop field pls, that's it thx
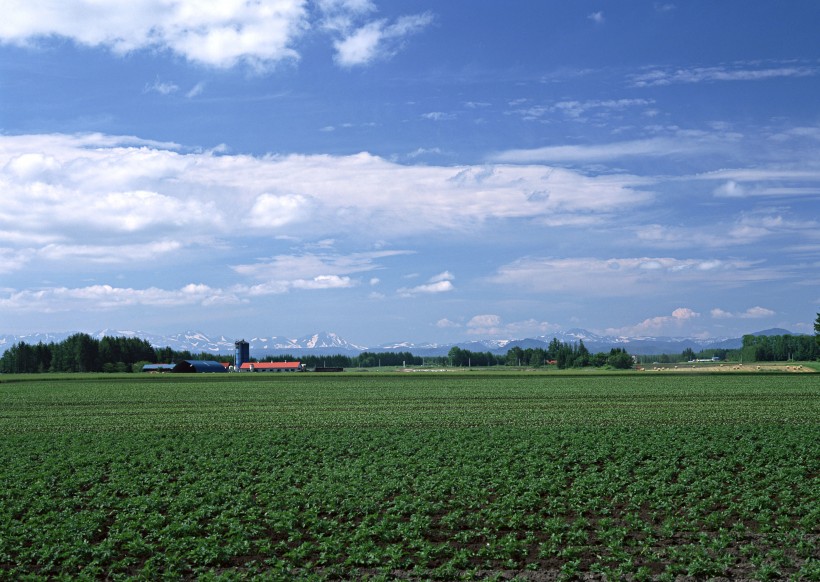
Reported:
(410, 476)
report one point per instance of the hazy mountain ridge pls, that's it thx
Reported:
(327, 343)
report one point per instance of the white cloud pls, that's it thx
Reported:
(219, 34)
(196, 90)
(730, 189)
(756, 312)
(593, 277)
(491, 325)
(429, 288)
(441, 283)
(748, 228)
(161, 87)
(652, 147)
(666, 324)
(97, 297)
(123, 254)
(323, 282)
(373, 40)
(484, 321)
(311, 266)
(597, 17)
(739, 72)
(445, 276)
(438, 116)
(273, 211)
(683, 313)
(97, 191)
(445, 323)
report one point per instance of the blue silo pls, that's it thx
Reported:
(242, 353)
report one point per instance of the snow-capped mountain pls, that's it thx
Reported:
(326, 343)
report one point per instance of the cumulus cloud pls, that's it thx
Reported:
(270, 210)
(597, 17)
(219, 34)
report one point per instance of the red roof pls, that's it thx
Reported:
(270, 365)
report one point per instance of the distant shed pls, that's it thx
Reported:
(199, 366)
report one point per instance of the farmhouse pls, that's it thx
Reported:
(271, 367)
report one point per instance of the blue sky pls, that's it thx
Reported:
(410, 171)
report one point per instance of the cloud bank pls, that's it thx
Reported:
(83, 194)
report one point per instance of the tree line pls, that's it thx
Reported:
(780, 348)
(82, 353)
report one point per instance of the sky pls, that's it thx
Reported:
(418, 171)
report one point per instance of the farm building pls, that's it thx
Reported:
(199, 366)
(272, 367)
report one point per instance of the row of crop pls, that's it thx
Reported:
(698, 501)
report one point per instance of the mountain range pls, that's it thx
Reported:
(326, 343)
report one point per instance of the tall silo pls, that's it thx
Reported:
(242, 353)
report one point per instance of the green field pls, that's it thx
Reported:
(410, 476)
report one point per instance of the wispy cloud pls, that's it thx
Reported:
(747, 228)
(196, 90)
(621, 277)
(362, 44)
(161, 87)
(739, 72)
(580, 110)
(596, 17)
(651, 147)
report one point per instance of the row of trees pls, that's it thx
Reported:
(561, 354)
(83, 353)
(779, 348)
